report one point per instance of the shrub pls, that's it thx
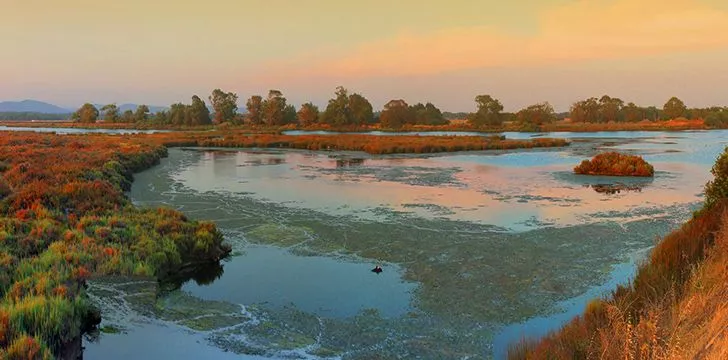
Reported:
(615, 164)
(717, 188)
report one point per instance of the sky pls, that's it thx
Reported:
(445, 52)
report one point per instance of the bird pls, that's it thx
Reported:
(377, 269)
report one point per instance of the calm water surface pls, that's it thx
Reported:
(66, 131)
(479, 249)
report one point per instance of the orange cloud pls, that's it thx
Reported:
(582, 30)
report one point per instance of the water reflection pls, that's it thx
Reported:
(612, 189)
(203, 274)
(463, 187)
(349, 162)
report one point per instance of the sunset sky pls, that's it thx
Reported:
(522, 52)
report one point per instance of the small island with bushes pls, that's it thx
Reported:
(615, 164)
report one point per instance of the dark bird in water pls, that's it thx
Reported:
(377, 269)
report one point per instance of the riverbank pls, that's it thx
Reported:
(675, 306)
(455, 126)
(64, 218)
(353, 142)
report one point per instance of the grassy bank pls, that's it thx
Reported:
(674, 308)
(64, 218)
(353, 142)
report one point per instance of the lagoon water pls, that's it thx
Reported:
(65, 131)
(479, 249)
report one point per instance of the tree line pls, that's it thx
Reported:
(347, 109)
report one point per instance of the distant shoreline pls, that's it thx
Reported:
(559, 126)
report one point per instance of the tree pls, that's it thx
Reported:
(308, 114)
(111, 113)
(360, 110)
(273, 108)
(198, 113)
(289, 114)
(717, 118)
(177, 114)
(337, 110)
(538, 114)
(141, 113)
(489, 111)
(652, 113)
(127, 117)
(345, 109)
(586, 111)
(610, 109)
(87, 113)
(674, 108)
(161, 118)
(254, 105)
(427, 114)
(395, 114)
(633, 113)
(224, 104)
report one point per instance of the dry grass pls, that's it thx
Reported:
(688, 320)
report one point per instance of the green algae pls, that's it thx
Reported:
(213, 322)
(180, 306)
(275, 234)
(110, 329)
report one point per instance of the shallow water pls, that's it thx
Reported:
(67, 131)
(478, 248)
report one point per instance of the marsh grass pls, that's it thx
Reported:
(66, 220)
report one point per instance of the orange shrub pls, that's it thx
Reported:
(615, 164)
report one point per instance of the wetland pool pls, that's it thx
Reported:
(478, 248)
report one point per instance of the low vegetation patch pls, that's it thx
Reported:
(353, 142)
(64, 218)
(615, 164)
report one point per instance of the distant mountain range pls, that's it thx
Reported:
(34, 106)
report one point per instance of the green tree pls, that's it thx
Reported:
(308, 114)
(434, 115)
(289, 114)
(360, 110)
(254, 105)
(717, 118)
(161, 118)
(198, 113)
(337, 110)
(177, 114)
(488, 113)
(395, 114)
(87, 113)
(141, 113)
(127, 117)
(674, 108)
(538, 114)
(652, 113)
(224, 104)
(111, 113)
(273, 108)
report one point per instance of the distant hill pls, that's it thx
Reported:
(40, 107)
(32, 106)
